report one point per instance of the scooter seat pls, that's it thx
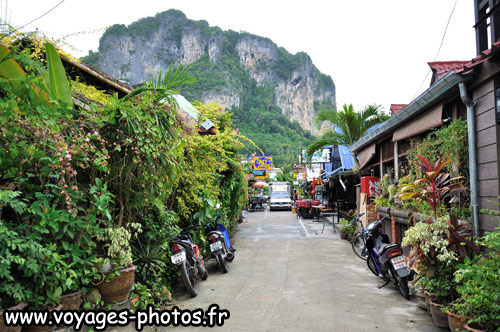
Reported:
(386, 246)
(215, 232)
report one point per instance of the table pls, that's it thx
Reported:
(318, 207)
(329, 214)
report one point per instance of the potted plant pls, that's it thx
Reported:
(441, 291)
(478, 286)
(458, 315)
(345, 228)
(116, 267)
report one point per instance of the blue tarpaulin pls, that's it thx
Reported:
(342, 158)
(328, 174)
(345, 154)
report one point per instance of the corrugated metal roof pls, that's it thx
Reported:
(345, 154)
(441, 68)
(192, 111)
(395, 108)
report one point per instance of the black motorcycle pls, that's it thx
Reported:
(187, 257)
(218, 239)
(386, 259)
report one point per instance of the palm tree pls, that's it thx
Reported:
(352, 126)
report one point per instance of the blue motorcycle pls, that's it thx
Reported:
(386, 259)
(220, 247)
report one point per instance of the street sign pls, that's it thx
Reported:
(260, 177)
(263, 163)
(298, 166)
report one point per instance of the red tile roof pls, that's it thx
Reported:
(441, 68)
(395, 108)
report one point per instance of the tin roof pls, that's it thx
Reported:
(395, 108)
(441, 68)
(345, 154)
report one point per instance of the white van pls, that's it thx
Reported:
(280, 195)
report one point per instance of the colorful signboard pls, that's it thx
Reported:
(298, 166)
(263, 163)
(260, 177)
(313, 172)
(318, 156)
(259, 173)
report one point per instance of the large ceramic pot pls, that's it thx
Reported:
(4, 328)
(457, 321)
(343, 235)
(116, 289)
(71, 301)
(472, 329)
(440, 318)
(42, 328)
(428, 297)
(421, 299)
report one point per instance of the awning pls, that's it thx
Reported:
(329, 174)
(430, 119)
(187, 107)
(346, 157)
(365, 155)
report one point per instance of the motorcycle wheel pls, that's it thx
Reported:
(401, 284)
(189, 278)
(222, 263)
(358, 246)
(371, 266)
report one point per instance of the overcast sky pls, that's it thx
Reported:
(375, 51)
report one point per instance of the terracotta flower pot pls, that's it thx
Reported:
(343, 235)
(457, 321)
(117, 288)
(42, 328)
(421, 299)
(71, 301)
(428, 297)
(472, 329)
(440, 318)
(4, 328)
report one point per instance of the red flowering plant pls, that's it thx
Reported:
(441, 239)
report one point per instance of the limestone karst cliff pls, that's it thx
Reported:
(229, 66)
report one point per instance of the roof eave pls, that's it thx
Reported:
(421, 103)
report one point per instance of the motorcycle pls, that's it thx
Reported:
(187, 257)
(386, 259)
(220, 247)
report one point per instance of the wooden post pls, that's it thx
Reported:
(396, 161)
(381, 163)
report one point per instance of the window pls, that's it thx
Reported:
(487, 23)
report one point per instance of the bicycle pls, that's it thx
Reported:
(358, 241)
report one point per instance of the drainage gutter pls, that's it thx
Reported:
(471, 133)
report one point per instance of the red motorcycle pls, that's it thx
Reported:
(187, 257)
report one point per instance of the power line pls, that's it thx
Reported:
(36, 19)
(439, 49)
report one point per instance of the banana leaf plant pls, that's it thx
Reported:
(434, 186)
(57, 82)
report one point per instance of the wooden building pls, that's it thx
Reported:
(459, 89)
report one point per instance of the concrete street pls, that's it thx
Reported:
(287, 276)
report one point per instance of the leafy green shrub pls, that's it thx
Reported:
(478, 285)
(345, 226)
